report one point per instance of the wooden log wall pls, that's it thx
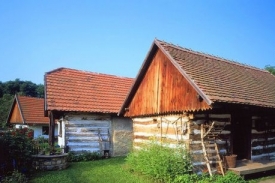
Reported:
(195, 146)
(263, 138)
(87, 132)
(167, 129)
(162, 129)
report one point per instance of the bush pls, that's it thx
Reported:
(17, 148)
(16, 177)
(160, 162)
(83, 156)
(229, 177)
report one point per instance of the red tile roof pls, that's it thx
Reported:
(31, 110)
(75, 90)
(215, 79)
(221, 80)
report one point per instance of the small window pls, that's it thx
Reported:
(45, 130)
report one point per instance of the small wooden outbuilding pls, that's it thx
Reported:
(178, 90)
(85, 106)
(29, 112)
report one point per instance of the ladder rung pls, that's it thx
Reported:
(214, 170)
(214, 161)
(210, 145)
(195, 142)
(211, 139)
(213, 157)
(203, 163)
(211, 151)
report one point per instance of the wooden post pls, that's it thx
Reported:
(51, 129)
(160, 130)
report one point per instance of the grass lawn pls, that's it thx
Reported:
(101, 171)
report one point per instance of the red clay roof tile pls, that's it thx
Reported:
(32, 110)
(222, 80)
(75, 90)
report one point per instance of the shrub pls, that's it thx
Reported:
(15, 177)
(160, 161)
(186, 178)
(83, 156)
(17, 147)
(229, 177)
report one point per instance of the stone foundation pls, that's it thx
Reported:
(50, 162)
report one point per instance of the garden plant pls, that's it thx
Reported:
(16, 150)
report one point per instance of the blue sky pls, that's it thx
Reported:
(114, 37)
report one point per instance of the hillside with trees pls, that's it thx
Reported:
(271, 69)
(10, 88)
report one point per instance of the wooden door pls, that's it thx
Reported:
(241, 135)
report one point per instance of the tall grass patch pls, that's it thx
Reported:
(229, 177)
(159, 161)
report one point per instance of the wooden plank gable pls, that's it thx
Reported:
(16, 115)
(164, 90)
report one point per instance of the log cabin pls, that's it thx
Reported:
(180, 95)
(29, 112)
(85, 106)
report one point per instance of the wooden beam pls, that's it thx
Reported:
(51, 129)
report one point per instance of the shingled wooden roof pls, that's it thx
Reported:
(27, 110)
(75, 90)
(215, 79)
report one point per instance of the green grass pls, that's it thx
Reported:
(267, 179)
(101, 171)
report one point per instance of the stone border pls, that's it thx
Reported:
(50, 162)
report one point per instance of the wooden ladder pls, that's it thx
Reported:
(209, 146)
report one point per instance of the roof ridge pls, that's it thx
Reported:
(29, 97)
(212, 56)
(84, 71)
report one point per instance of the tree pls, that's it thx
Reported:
(28, 88)
(5, 104)
(12, 87)
(271, 69)
(1, 89)
(40, 91)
